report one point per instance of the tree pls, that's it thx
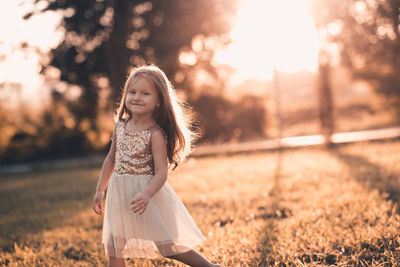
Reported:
(367, 35)
(325, 99)
(104, 38)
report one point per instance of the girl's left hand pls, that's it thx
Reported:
(140, 202)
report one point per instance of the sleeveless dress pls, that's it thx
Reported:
(165, 228)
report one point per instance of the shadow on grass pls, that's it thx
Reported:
(33, 202)
(271, 214)
(383, 250)
(368, 252)
(371, 174)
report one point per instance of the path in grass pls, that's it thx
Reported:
(306, 206)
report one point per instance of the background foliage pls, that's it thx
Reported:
(366, 34)
(102, 41)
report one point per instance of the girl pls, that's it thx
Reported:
(143, 215)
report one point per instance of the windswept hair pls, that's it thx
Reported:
(172, 115)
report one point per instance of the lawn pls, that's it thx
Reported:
(303, 207)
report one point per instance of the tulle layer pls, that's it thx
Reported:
(165, 228)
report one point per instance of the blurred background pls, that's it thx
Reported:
(252, 69)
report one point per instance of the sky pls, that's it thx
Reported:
(267, 34)
(40, 31)
(271, 34)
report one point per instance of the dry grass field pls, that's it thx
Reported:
(304, 207)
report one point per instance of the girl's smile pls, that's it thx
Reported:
(137, 104)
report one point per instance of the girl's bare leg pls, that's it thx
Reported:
(193, 258)
(116, 262)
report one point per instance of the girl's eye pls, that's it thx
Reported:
(146, 93)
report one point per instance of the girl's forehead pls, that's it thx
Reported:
(141, 82)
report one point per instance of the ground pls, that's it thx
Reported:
(301, 207)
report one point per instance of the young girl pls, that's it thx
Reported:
(143, 215)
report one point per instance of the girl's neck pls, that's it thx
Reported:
(141, 120)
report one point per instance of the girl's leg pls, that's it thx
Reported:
(116, 262)
(193, 258)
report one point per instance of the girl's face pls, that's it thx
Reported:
(141, 97)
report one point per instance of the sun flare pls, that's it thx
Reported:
(271, 34)
(19, 66)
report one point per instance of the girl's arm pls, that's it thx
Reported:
(159, 151)
(108, 167)
(106, 171)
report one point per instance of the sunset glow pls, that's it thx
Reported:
(271, 34)
(40, 32)
(266, 35)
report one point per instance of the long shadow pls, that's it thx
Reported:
(374, 177)
(370, 174)
(271, 214)
(33, 202)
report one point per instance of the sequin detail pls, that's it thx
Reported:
(133, 151)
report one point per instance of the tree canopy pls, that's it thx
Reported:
(104, 38)
(367, 35)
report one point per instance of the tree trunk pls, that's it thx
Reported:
(325, 102)
(117, 53)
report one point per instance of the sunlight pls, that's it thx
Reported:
(40, 32)
(271, 34)
(268, 34)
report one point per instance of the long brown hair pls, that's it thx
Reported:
(172, 115)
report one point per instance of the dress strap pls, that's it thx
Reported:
(153, 128)
(113, 135)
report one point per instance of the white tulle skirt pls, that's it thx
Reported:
(165, 228)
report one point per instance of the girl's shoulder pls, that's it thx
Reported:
(121, 121)
(158, 128)
(117, 124)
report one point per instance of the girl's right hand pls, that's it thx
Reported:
(97, 206)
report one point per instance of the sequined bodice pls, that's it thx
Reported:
(133, 151)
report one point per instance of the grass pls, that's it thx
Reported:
(304, 207)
